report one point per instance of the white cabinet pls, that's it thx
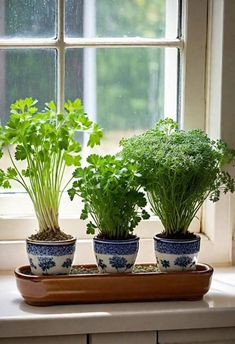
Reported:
(71, 339)
(200, 336)
(124, 338)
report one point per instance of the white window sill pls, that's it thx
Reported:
(216, 310)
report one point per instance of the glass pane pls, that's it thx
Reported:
(26, 73)
(122, 89)
(27, 18)
(121, 18)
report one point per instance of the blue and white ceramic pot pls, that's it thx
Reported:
(50, 257)
(115, 256)
(176, 254)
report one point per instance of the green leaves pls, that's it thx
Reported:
(20, 153)
(180, 169)
(11, 173)
(73, 106)
(166, 126)
(71, 160)
(95, 136)
(109, 188)
(96, 160)
(47, 142)
(91, 228)
(3, 180)
(24, 106)
(145, 215)
(5, 176)
(72, 192)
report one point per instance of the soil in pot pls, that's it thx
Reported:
(51, 235)
(179, 236)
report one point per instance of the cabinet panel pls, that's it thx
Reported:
(199, 336)
(79, 339)
(124, 338)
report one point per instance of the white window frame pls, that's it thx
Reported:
(219, 218)
(197, 72)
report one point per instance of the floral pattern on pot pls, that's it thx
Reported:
(50, 258)
(46, 263)
(115, 256)
(176, 255)
(183, 261)
(67, 263)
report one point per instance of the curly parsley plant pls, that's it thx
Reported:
(110, 190)
(46, 142)
(180, 170)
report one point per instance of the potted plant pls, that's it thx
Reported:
(110, 190)
(40, 146)
(180, 170)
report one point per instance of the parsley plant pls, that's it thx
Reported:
(180, 170)
(110, 190)
(46, 142)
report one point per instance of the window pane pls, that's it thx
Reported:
(27, 18)
(122, 89)
(120, 18)
(26, 73)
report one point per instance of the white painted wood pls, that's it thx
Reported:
(121, 338)
(217, 227)
(90, 42)
(170, 64)
(194, 63)
(219, 218)
(202, 336)
(123, 42)
(233, 252)
(76, 339)
(89, 71)
(60, 57)
(227, 114)
(214, 74)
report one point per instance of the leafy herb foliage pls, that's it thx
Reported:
(180, 170)
(110, 190)
(46, 141)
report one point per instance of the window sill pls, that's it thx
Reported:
(216, 310)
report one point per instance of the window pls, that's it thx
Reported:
(129, 61)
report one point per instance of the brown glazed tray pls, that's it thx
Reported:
(97, 288)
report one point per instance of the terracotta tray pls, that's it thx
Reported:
(95, 288)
